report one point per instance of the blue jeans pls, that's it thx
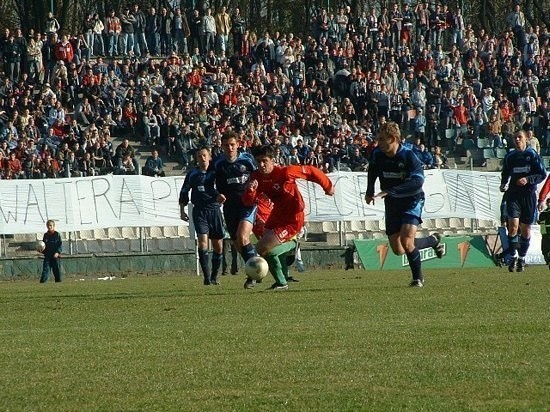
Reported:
(179, 42)
(113, 44)
(50, 264)
(89, 37)
(140, 44)
(153, 43)
(98, 37)
(127, 43)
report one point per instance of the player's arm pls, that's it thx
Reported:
(58, 245)
(371, 180)
(505, 174)
(184, 197)
(221, 182)
(539, 172)
(311, 174)
(251, 193)
(413, 183)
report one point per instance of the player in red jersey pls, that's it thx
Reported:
(287, 216)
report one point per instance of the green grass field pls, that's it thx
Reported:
(476, 340)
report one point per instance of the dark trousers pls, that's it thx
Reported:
(50, 264)
(545, 247)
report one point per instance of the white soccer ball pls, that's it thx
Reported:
(40, 246)
(256, 268)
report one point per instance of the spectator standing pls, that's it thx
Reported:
(52, 26)
(238, 24)
(180, 32)
(516, 20)
(127, 22)
(23, 44)
(140, 42)
(152, 28)
(209, 31)
(196, 31)
(34, 60)
(396, 25)
(113, 29)
(419, 123)
(98, 28)
(52, 253)
(223, 28)
(89, 35)
(12, 59)
(165, 32)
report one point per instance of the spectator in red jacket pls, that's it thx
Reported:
(15, 170)
(64, 50)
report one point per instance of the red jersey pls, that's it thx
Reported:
(280, 186)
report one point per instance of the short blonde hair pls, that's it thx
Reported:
(389, 131)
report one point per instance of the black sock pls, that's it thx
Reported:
(203, 262)
(415, 264)
(216, 262)
(425, 242)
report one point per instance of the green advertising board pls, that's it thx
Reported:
(459, 252)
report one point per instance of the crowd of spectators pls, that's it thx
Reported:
(176, 80)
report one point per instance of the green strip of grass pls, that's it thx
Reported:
(346, 341)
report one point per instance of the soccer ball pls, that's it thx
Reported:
(40, 246)
(256, 268)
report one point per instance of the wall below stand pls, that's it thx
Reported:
(144, 263)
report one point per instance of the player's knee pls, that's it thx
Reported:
(397, 250)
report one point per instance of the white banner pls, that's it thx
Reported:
(116, 201)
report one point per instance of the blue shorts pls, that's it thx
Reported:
(208, 221)
(234, 215)
(522, 206)
(403, 211)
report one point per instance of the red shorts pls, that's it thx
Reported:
(284, 228)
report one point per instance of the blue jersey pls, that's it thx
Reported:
(522, 163)
(202, 186)
(232, 177)
(400, 176)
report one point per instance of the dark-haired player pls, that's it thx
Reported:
(401, 176)
(286, 219)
